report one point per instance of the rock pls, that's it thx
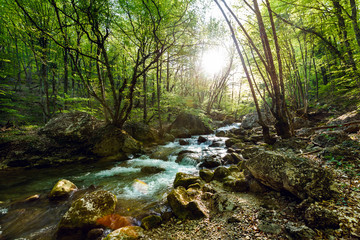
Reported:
(186, 206)
(192, 123)
(301, 232)
(330, 138)
(256, 187)
(220, 173)
(167, 137)
(231, 141)
(233, 158)
(141, 132)
(211, 162)
(114, 221)
(345, 118)
(319, 217)
(234, 169)
(180, 133)
(62, 188)
(236, 185)
(126, 233)
(222, 203)
(268, 227)
(152, 170)
(296, 175)
(183, 142)
(72, 127)
(84, 212)
(215, 144)
(251, 151)
(206, 175)
(201, 139)
(95, 234)
(220, 134)
(163, 153)
(151, 221)
(184, 180)
(251, 120)
(188, 158)
(111, 141)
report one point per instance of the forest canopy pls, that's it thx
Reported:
(147, 60)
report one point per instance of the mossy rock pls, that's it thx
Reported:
(126, 233)
(151, 221)
(84, 212)
(185, 205)
(184, 179)
(111, 141)
(62, 189)
(206, 174)
(220, 173)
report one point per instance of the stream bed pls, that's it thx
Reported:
(135, 189)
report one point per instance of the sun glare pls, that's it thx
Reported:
(213, 61)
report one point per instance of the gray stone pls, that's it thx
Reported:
(296, 175)
(269, 227)
(301, 232)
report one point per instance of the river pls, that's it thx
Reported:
(137, 191)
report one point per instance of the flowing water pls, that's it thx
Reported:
(135, 190)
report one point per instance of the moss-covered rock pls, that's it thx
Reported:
(62, 189)
(72, 127)
(84, 212)
(193, 124)
(141, 132)
(233, 158)
(185, 205)
(220, 173)
(296, 175)
(111, 141)
(206, 174)
(319, 217)
(126, 233)
(184, 180)
(151, 221)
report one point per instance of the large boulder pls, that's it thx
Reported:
(251, 120)
(296, 175)
(84, 213)
(62, 189)
(141, 132)
(185, 205)
(72, 127)
(112, 141)
(193, 124)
